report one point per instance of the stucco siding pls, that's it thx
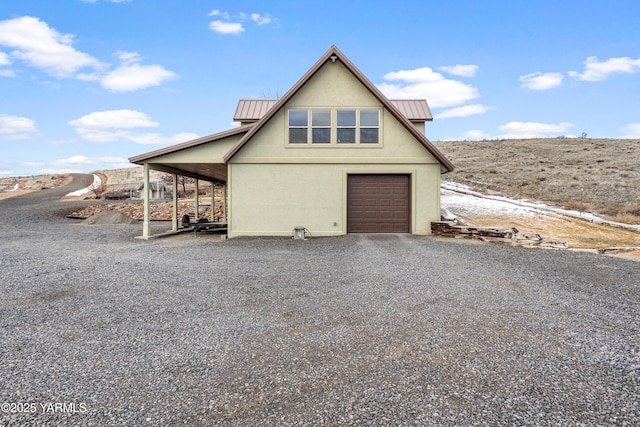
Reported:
(272, 199)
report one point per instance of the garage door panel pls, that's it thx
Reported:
(378, 203)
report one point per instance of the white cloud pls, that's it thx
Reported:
(158, 139)
(78, 160)
(228, 24)
(118, 125)
(424, 83)
(114, 119)
(596, 70)
(539, 81)
(127, 57)
(51, 171)
(108, 126)
(520, 130)
(260, 19)
(631, 131)
(217, 12)
(100, 135)
(4, 59)
(17, 128)
(38, 45)
(6, 172)
(81, 160)
(464, 111)
(222, 27)
(67, 165)
(133, 77)
(514, 130)
(474, 134)
(32, 164)
(471, 135)
(461, 70)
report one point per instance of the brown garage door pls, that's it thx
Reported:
(378, 204)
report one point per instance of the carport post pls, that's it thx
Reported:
(213, 195)
(174, 220)
(197, 201)
(146, 225)
(224, 204)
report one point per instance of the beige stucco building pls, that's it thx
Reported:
(333, 155)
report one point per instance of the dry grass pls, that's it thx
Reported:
(577, 233)
(599, 175)
(627, 218)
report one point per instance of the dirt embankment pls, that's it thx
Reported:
(16, 186)
(596, 175)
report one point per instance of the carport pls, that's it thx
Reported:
(201, 159)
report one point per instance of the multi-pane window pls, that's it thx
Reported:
(337, 126)
(298, 126)
(321, 126)
(346, 125)
(369, 126)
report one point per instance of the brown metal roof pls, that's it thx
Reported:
(446, 164)
(252, 110)
(416, 110)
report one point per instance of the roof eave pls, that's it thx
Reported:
(143, 158)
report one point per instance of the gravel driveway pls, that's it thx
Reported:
(100, 329)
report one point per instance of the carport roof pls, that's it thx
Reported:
(141, 158)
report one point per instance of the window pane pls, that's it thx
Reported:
(346, 118)
(369, 118)
(321, 135)
(298, 118)
(368, 136)
(321, 117)
(346, 136)
(297, 135)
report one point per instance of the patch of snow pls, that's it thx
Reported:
(97, 182)
(463, 201)
(15, 187)
(467, 204)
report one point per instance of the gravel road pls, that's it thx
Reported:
(100, 329)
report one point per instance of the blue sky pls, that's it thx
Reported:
(85, 84)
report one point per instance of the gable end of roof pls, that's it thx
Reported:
(334, 54)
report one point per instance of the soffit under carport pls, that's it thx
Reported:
(214, 172)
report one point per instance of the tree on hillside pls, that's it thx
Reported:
(182, 180)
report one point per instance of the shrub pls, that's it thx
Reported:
(627, 218)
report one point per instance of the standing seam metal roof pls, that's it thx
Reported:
(252, 110)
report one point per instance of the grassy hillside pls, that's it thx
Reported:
(600, 175)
